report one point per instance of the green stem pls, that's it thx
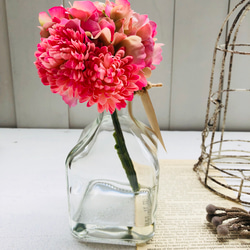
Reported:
(123, 153)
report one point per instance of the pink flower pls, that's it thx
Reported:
(78, 70)
(135, 32)
(141, 26)
(110, 80)
(120, 10)
(153, 53)
(61, 59)
(102, 29)
(157, 55)
(134, 47)
(96, 25)
(82, 10)
(96, 53)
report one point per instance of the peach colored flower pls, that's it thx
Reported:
(120, 10)
(141, 26)
(136, 32)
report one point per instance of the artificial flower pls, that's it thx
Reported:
(56, 14)
(110, 80)
(78, 70)
(94, 52)
(61, 59)
(99, 54)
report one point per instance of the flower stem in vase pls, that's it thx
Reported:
(123, 153)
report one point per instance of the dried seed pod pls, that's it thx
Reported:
(229, 219)
(209, 217)
(216, 221)
(211, 209)
(222, 230)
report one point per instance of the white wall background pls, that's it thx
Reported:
(188, 28)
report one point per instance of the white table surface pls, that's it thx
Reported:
(33, 198)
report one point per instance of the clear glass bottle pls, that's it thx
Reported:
(102, 205)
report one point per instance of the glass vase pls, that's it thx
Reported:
(103, 205)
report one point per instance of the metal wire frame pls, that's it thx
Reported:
(226, 172)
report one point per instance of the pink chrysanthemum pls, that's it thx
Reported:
(110, 80)
(78, 70)
(61, 60)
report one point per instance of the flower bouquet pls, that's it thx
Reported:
(103, 53)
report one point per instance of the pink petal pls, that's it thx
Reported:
(57, 11)
(121, 10)
(102, 99)
(157, 55)
(143, 81)
(110, 105)
(86, 6)
(121, 104)
(100, 108)
(149, 50)
(154, 26)
(91, 26)
(107, 60)
(79, 14)
(72, 24)
(139, 20)
(44, 18)
(122, 2)
(145, 32)
(104, 23)
(108, 10)
(71, 101)
(100, 6)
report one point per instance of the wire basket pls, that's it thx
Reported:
(224, 164)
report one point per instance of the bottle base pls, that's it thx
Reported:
(130, 236)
